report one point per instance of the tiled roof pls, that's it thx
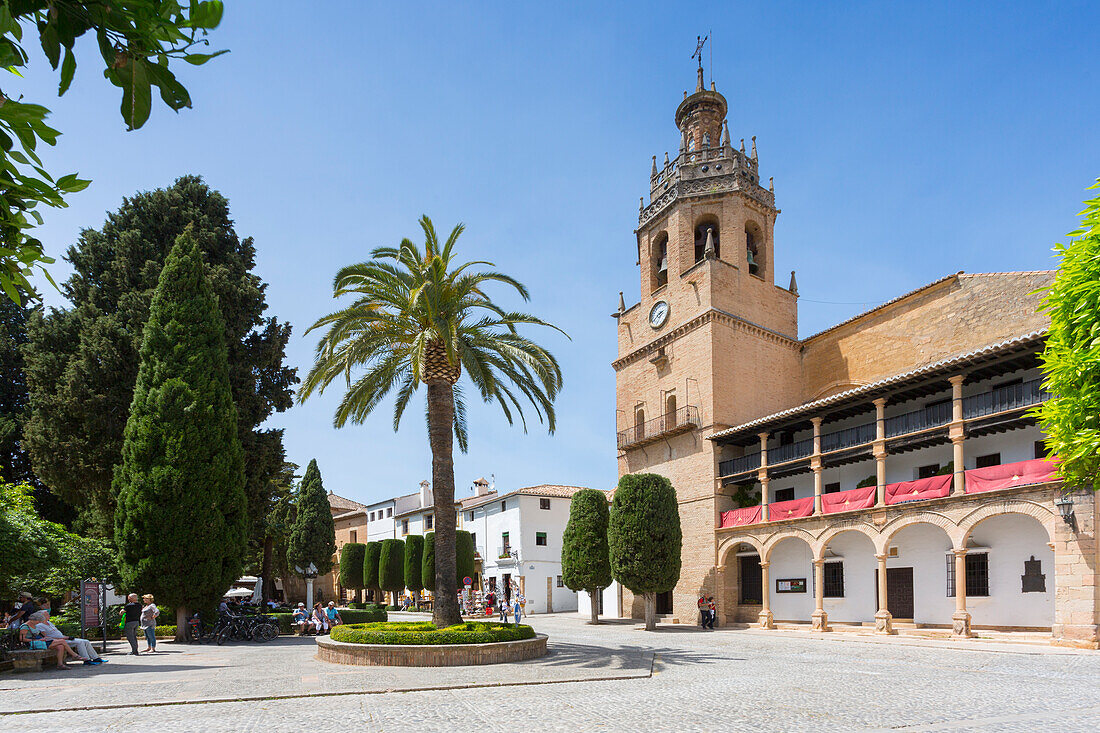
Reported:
(549, 490)
(339, 502)
(949, 362)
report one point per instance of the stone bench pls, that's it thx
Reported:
(31, 660)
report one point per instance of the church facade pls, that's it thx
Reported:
(885, 473)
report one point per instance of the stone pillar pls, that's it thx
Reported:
(762, 476)
(767, 621)
(960, 620)
(815, 464)
(884, 620)
(879, 451)
(820, 619)
(721, 602)
(957, 431)
(1076, 581)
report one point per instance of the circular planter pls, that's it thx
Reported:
(429, 655)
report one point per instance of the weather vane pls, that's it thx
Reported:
(700, 41)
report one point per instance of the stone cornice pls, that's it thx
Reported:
(706, 186)
(712, 314)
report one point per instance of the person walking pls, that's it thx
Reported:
(712, 612)
(131, 618)
(149, 613)
(517, 606)
(703, 610)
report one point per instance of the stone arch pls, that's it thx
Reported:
(755, 249)
(1043, 514)
(702, 224)
(790, 533)
(866, 529)
(882, 541)
(729, 548)
(659, 257)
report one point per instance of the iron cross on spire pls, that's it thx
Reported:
(700, 41)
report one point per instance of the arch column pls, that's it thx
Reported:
(762, 477)
(879, 451)
(815, 464)
(957, 432)
(820, 619)
(767, 621)
(960, 620)
(884, 620)
(720, 593)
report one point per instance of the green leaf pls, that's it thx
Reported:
(68, 68)
(136, 96)
(198, 59)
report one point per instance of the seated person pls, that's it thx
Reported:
(83, 647)
(29, 634)
(333, 615)
(301, 619)
(320, 619)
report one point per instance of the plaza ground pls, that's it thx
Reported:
(608, 677)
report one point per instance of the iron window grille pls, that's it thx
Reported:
(977, 574)
(834, 580)
(544, 503)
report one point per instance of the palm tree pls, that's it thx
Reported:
(419, 317)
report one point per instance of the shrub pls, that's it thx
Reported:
(427, 563)
(357, 605)
(464, 556)
(164, 632)
(424, 633)
(370, 565)
(414, 559)
(351, 565)
(391, 566)
(363, 616)
(285, 621)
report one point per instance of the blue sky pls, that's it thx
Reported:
(907, 141)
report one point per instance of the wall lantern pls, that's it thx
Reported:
(1064, 502)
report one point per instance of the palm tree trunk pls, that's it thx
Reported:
(441, 409)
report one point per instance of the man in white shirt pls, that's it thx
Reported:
(83, 647)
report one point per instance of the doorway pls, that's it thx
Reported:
(899, 592)
(664, 603)
(507, 580)
(750, 580)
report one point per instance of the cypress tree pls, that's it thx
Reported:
(414, 560)
(585, 562)
(464, 556)
(181, 521)
(643, 538)
(313, 536)
(427, 565)
(391, 567)
(351, 566)
(370, 567)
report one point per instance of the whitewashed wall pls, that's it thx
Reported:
(924, 548)
(857, 552)
(1013, 539)
(791, 558)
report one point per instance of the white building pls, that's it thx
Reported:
(518, 537)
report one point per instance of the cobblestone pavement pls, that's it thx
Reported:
(677, 679)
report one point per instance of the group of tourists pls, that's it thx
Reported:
(143, 614)
(319, 622)
(31, 618)
(708, 611)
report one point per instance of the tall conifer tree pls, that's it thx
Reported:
(313, 538)
(585, 563)
(180, 526)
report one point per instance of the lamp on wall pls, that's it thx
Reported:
(1064, 503)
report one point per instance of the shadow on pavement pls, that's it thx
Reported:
(622, 658)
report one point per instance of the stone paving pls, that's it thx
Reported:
(606, 678)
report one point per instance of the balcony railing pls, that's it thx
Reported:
(682, 419)
(1003, 399)
(848, 437)
(790, 452)
(932, 416)
(751, 462)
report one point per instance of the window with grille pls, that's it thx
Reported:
(561, 583)
(540, 538)
(429, 521)
(544, 503)
(977, 574)
(784, 494)
(372, 516)
(404, 526)
(389, 512)
(834, 580)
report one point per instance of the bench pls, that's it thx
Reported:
(31, 660)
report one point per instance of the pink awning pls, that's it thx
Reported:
(842, 501)
(738, 517)
(932, 487)
(1023, 473)
(790, 509)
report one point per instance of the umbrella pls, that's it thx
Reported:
(238, 593)
(258, 594)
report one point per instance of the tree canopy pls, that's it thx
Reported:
(137, 41)
(391, 566)
(371, 560)
(313, 536)
(82, 361)
(181, 522)
(351, 565)
(414, 561)
(585, 562)
(1071, 359)
(644, 536)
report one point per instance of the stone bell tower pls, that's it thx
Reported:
(713, 341)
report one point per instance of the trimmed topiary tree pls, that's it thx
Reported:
(414, 561)
(370, 566)
(585, 562)
(181, 524)
(464, 556)
(643, 538)
(427, 563)
(391, 567)
(313, 536)
(351, 566)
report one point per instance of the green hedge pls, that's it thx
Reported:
(363, 616)
(163, 632)
(470, 632)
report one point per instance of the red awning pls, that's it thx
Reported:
(842, 501)
(790, 509)
(932, 487)
(738, 517)
(1023, 473)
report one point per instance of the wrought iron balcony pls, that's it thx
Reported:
(751, 462)
(847, 438)
(932, 416)
(1004, 399)
(671, 423)
(790, 452)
